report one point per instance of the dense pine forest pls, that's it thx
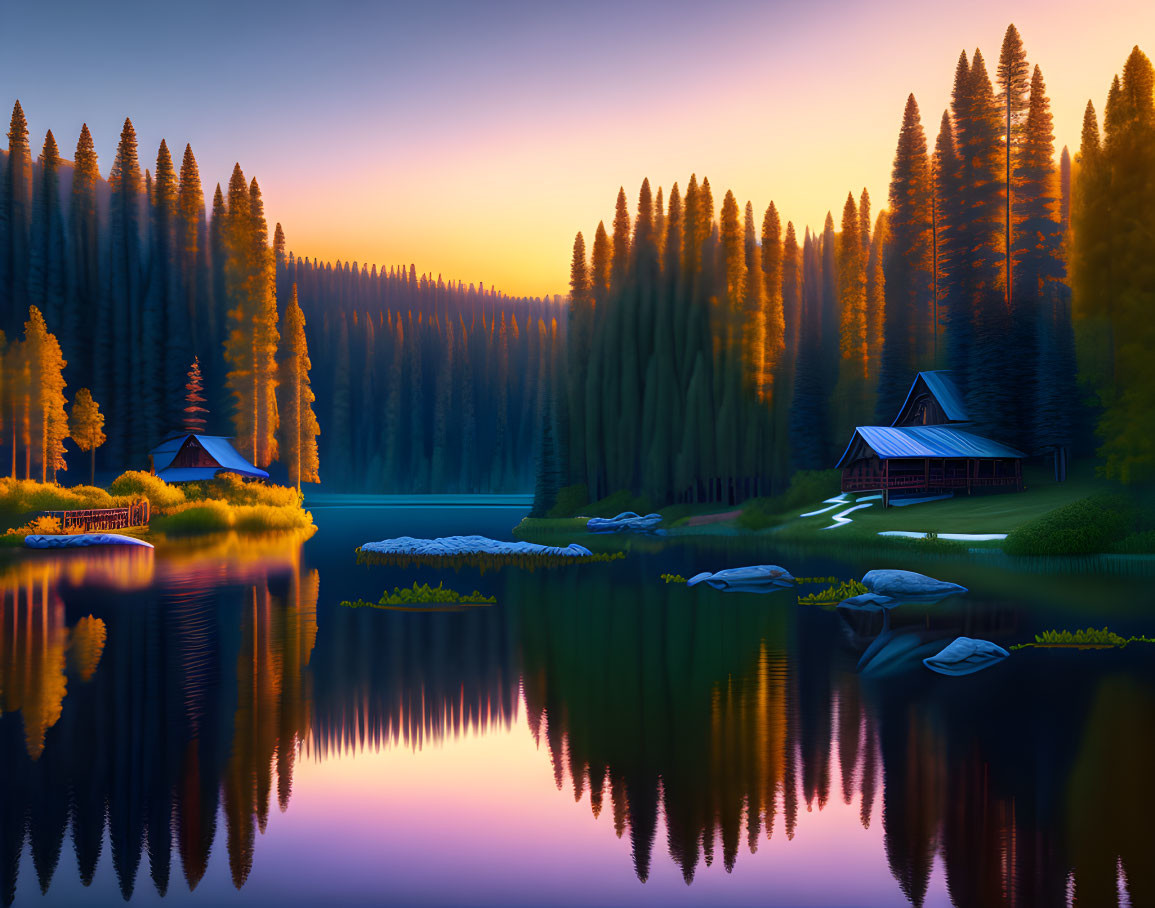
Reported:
(710, 356)
(428, 386)
(151, 314)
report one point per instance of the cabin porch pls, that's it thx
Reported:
(932, 474)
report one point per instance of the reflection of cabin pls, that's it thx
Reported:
(188, 458)
(926, 451)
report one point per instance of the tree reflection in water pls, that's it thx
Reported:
(145, 693)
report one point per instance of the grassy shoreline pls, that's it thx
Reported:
(1083, 516)
(224, 504)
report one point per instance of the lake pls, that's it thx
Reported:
(209, 724)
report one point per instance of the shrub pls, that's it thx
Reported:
(48, 526)
(208, 516)
(570, 500)
(22, 495)
(809, 486)
(806, 487)
(616, 503)
(237, 490)
(270, 517)
(1086, 527)
(138, 484)
(1141, 543)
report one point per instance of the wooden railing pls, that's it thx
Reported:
(135, 515)
(876, 481)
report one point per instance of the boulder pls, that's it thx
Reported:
(627, 521)
(759, 578)
(965, 656)
(868, 602)
(909, 586)
(450, 546)
(81, 540)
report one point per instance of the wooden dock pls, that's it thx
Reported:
(93, 519)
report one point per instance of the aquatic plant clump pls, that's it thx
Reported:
(1088, 638)
(423, 595)
(673, 578)
(834, 594)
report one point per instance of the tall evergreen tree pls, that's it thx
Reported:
(298, 427)
(15, 216)
(46, 418)
(47, 274)
(907, 263)
(77, 328)
(194, 412)
(1014, 79)
(1113, 221)
(118, 325)
(775, 332)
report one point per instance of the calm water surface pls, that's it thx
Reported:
(209, 724)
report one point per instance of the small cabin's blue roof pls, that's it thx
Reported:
(941, 385)
(889, 443)
(217, 447)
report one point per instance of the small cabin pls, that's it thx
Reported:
(190, 457)
(927, 450)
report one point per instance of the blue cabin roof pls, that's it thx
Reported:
(889, 442)
(941, 386)
(218, 448)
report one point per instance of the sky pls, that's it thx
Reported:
(474, 139)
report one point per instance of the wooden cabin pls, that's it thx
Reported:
(927, 450)
(190, 457)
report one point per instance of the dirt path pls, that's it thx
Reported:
(722, 517)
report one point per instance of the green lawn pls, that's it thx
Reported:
(990, 513)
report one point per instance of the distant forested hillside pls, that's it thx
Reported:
(426, 386)
(419, 384)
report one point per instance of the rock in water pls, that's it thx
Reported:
(450, 546)
(81, 540)
(759, 578)
(868, 602)
(625, 521)
(909, 585)
(965, 656)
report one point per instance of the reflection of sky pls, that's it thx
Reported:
(479, 820)
(475, 138)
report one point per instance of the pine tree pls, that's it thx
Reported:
(163, 333)
(1014, 80)
(621, 244)
(791, 291)
(47, 421)
(775, 338)
(299, 428)
(250, 348)
(15, 215)
(266, 335)
(852, 293)
(118, 334)
(876, 293)
(1116, 271)
(47, 273)
(194, 412)
(86, 426)
(946, 230)
(77, 328)
(980, 271)
(907, 263)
